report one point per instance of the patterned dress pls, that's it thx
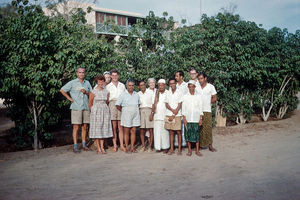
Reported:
(100, 124)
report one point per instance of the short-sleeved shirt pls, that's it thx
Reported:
(173, 99)
(146, 99)
(206, 93)
(128, 100)
(80, 100)
(183, 87)
(115, 92)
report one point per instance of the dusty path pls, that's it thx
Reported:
(255, 161)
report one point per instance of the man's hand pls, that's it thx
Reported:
(151, 117)
(71, 100)
(200, 122)
(83, 91)
(184, 121)
(175, 112)
(171, 118)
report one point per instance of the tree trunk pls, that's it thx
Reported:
(282, 111)
(35, 138)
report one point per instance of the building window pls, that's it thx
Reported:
(100, 18)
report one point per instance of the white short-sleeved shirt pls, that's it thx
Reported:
(206, 93)
(183, 88)
(115, 92)
(146, 99)
(173, 99)
(161, 109)
(192, 107)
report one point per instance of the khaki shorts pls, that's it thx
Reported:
(145, 114)
(80, 116)
(115, 114)
(174, 126)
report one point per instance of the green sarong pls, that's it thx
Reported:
(192, 132)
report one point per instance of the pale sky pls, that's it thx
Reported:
(269, 13)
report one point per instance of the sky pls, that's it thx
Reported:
(269, 13)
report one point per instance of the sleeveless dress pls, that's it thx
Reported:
(100, 124)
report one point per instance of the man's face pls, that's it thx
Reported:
(107, 78)
(151, 84)
(161, 87)
(178, 77)
(130, 87)
(115, 76)
(80, 73)
(193, 74)
(191, 88)
(201, 79)
(142, 86)
(172, 84)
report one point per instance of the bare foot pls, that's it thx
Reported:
(179, 153)
(170, 152)
(133, 151)
(199, 154)
(212, 149)
(189, 153)
(103, 151)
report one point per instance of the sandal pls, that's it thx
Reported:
(103, 151)
(170, 152)
(189, 153)
(133, 151)
(123, 149)
(115, 149)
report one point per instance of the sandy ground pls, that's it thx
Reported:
(254, 161)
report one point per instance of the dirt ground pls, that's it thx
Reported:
(254, 161)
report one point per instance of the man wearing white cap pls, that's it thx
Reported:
(161, 135)
(192, 117)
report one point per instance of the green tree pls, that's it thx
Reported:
(39, 54)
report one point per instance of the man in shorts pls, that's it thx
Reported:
(79, 90)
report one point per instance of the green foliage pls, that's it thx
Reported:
(40, 54)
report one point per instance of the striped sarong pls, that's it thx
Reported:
(206, 130)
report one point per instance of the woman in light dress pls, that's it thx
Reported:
(100, 124)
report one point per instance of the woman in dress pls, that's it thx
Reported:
(100, 124)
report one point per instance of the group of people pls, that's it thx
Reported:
(178, 116)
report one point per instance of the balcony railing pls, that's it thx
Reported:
(112, 29)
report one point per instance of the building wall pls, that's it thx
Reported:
(67, 7)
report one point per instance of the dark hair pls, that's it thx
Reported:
(203, 74)
(100, 77)
(172, 79)
(141, 82)
(130, 81)
(193, 69)
(181, 73)
(114, 71)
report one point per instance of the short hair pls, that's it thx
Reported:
(100, 77)
(172, 79)
(192, 69)
(203, 74)
(142, 81)
(130, 81)
(151, 79)
(114, 71)
(181, 73)
(80, 68)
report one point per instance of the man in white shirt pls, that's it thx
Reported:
(161, 135)
(209, 96)
(194, 76)
(183, 88)
(145, 112)
(192, 117)
(115, 89)
(173, 115)
(181, 85)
